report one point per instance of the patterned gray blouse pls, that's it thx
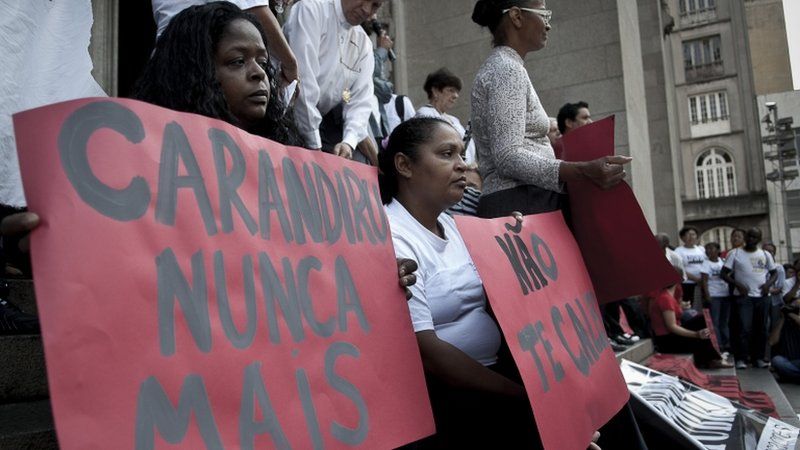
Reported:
(509, 126)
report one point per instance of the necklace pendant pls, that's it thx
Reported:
(346, 95)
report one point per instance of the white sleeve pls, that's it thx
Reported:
(418, 308)
(770, 261)
(730, 259)
(409, 109)
(247, 4)
(304, 34)
(706, 267)
(356, 113)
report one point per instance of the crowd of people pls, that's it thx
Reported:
(319, 82)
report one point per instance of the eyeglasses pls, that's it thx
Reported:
(545, 14)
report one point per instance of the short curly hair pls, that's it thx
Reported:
(441, 79)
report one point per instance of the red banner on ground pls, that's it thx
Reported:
(201, 287)
(542, 297)
(621, 254)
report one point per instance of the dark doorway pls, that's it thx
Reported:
(137, 36)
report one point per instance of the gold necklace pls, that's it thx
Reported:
(346, 94)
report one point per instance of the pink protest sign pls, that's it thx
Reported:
(621, 254)
(543, 299)
(201, 287)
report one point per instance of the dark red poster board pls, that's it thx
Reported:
(621, 254)
(543, 299)
(201, 287)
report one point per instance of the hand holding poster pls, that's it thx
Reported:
(203, 287)
(542, 297)
(621, 254)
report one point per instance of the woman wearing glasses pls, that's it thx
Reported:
(520, 171)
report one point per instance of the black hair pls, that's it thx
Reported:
(406, 139)
(181, 74)
(569, 111)
(685, 230)
(441, 79)
(489, 13)
(713, 244)
(739, 230)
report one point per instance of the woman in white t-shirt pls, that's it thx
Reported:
(694, 259)
(478, 398)
(716, 292)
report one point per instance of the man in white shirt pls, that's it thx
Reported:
(335, 58)
(749, 266)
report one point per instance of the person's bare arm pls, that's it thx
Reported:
(454, 367)
(276, 42)
(672, 325)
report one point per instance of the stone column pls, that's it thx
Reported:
(105, 43)
(636, 108)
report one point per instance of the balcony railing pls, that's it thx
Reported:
(697, 16)
(705, 71)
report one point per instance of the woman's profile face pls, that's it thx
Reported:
(537, 28)
(439, 171)
(240, 62)
(447, 97)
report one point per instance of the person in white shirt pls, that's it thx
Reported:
(478, 398)
(694, 258)
(336, 65)
(747, 268)
(165, 10)
(716, 293)
(443, 88)
(674, 259)
(775, 292)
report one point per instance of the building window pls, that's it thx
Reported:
(715, 174)
(696, 6)
(707, 108)
(702, 58)
(720, 235)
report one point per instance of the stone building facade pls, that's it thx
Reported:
(677, 74)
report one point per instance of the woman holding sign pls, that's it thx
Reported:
(478, 399)
(510, 127)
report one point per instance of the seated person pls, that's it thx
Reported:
(785, 336)
(477, 396)
(672, 335)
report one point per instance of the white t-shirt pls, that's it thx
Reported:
(717, 287)
(391, 112)
(448, 296)
(430, 111)
(693, 260)
(750, 269)
(45, 48)
(788, 285)
(165, 10)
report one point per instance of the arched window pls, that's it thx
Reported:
(715, 174)
(720, 235)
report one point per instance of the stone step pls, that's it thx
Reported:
(22, 373)
(753, 379)
(637, 352)
(22, 295)
(27, 426)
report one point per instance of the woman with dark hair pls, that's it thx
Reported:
(443, 88)
(212, 60)
(509, 124)
(478, 399)
(475, 389)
